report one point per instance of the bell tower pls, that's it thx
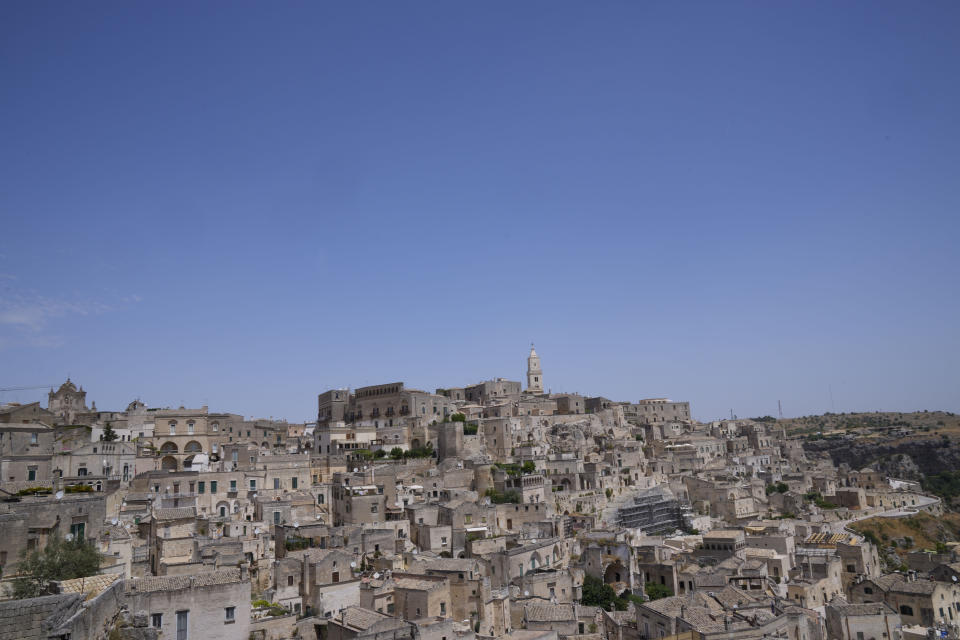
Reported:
(534, 374)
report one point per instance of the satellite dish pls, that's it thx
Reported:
(376, 576)
(353, 565)
(526, 593)
(954, 578)
(114, 521)
(296, 525)
(59, 495)
(257, 531)
(355, 469)
(69, 537)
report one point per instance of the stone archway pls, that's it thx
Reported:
(169, 447)
(168, 463)
(615, 572)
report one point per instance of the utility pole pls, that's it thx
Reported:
(780, 409)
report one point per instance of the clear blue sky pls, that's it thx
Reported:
(246, 204)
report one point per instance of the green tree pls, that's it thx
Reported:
(379, 453)
(656, 591)
(396, 453)
(507, 497)
(458, 417)
(528, 467)
(597, 594)
(109, 435)
(59, 560)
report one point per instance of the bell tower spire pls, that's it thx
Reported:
(534, 373)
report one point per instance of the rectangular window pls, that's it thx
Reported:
(294, 482)
(77, 530)
(233, 485)
(276, 517)
(33, 438)
(276, 483)
(213, 486)
(182, 625)
(201, 486)
(31, 473)
(253, 485)
(289, 581)
(230, 614)
(156, 619)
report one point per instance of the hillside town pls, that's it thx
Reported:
(501, 510)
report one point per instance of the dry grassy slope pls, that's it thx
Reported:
(923, 529)
(942, 422)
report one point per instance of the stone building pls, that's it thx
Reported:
(855, 621)
(421, 596)
(32, 412)
(213, 606)
(26, 454)
(68, 402)
(364, 624)
(657, 410)
(654, 510)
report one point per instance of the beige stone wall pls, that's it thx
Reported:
(205, 606)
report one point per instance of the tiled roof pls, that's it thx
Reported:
(91, 586)
(550, 612)
(32, 618)
(177, 513)
(177, 583)
(360, 618)
(887, 581)
(116, 532)
(731, 596)
(914, 586)
(418, 584)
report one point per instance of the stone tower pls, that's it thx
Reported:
(67, 401)
(534, 374)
